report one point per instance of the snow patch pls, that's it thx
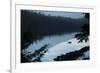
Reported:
(63, 48)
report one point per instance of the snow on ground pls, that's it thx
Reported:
(63, 48)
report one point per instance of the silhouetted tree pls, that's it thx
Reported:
(87, 15)
(24, 59)
(38, 53)
(73, 55)
(84, 33)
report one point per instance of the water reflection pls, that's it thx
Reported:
(51, 40)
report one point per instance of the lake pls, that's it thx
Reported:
(56, 46)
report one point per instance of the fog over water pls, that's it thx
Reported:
(62, 14)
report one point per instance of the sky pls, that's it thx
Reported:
(63, 14)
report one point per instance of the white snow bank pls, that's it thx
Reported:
(63, 48)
